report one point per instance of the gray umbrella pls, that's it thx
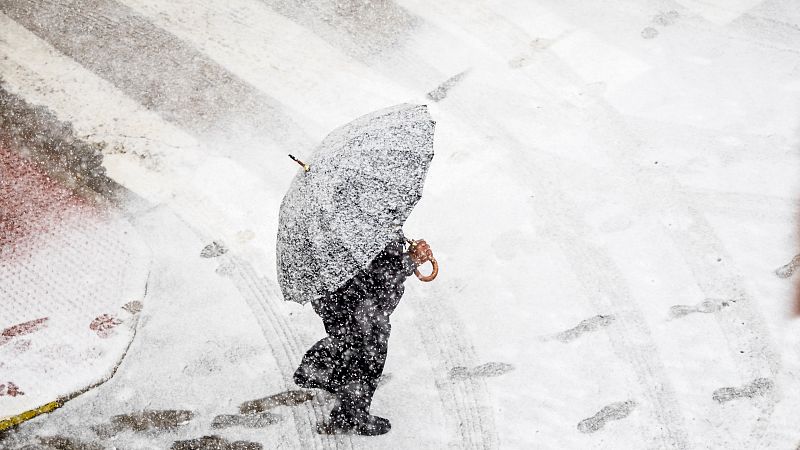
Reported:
(352, 199)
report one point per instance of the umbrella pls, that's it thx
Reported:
(352, 199)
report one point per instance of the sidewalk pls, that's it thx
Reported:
(74, 279)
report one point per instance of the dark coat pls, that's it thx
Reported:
(380, 285)
(350, 360)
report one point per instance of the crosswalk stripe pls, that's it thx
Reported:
(277, 56)
(146, 154)
(98, 111)
(163, 73)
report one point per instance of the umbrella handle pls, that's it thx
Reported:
(427, 278)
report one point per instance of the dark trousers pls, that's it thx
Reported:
(350, 360)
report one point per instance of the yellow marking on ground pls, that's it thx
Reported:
(27, 415)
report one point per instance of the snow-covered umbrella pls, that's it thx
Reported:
(351, 199)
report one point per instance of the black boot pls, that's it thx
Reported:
(351, 414)
(314, 371)
(308, 378)
(361, 424)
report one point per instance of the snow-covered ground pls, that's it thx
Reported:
(615, 184)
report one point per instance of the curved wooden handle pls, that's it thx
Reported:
(427, 278)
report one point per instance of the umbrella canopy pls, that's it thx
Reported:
(360, 186)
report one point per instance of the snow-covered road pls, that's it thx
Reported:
(615, 185)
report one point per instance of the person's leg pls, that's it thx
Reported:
(363, 339)
(322, 364)
(362, 366)
(315, 369)
(350, 360)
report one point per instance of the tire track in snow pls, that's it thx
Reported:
(744, 206)
(265, 300)
(742, 325)
(266, 303)
(565, 76)
(631, 338)
(606, 288)
(443, 337)
(695, 245)
(750, 347)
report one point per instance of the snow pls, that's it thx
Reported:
(597, 166)
(72, 276)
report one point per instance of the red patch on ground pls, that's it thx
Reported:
(22, 329)
(25, 327)
(31, 203)
(104, 325)
(11, 389)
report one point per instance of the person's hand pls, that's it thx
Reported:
(420, 252)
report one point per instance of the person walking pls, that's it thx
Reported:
(349, 362)
(341, 247)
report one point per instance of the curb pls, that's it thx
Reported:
(13, 421)
(10, 422)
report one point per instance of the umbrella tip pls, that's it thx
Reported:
(305, 166)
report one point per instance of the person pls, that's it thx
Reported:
(349, 361)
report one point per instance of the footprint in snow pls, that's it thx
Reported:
(22, 329)
(213, 250)
(757, 387)
(61, 442)
(614, 411)
(226, 269)
(787, 270)
(261, 420)
(287, 398)
(133, 307)
(649, 33)
(146, 420)
(215, 442)
(663, 19)
(585, 326)
(666, 19)
(441, 91)
(490, 369)
(707, 306)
